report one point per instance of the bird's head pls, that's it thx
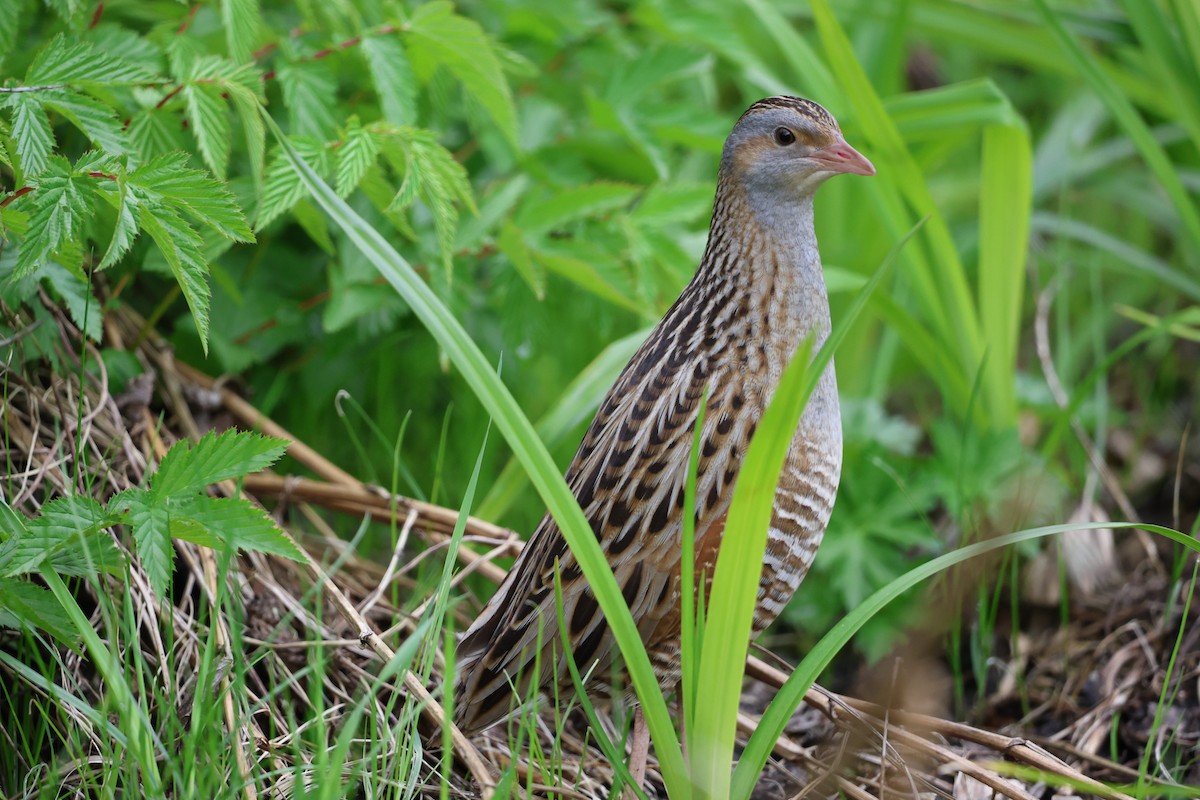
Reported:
(790, 145)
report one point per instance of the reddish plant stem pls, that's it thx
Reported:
(187, 21)
(24, 190)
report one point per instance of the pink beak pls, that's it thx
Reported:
(841, 157)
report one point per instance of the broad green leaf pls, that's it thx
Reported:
(439, 37)
(61, 204)
(154, 132)
(67, 535)
(1005, 201)
(512, 244)
(439, 181)
(967, 105)
(189, 468)
(586, 276)
(393, 78)
(125, 230)
(76, 295)
(578, 202)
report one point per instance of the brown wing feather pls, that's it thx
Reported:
(628, 476)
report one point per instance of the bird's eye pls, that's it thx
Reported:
(784, 136)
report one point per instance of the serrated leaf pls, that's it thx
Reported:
(31, 133)
(210, 124)
(154, 132)
(125, 230)
(281, 187)
(97, 121)
(62, 61)
(60, 203)
(238, 523)
(24, 605)
(440, 181)
(151, 524)
(439, 37)
(309, 92)
(169, 180)
(182, 248)
(356, 155)
(188, 468)
(393, 78)
(242, 21)
(69, 535)
(572, 204)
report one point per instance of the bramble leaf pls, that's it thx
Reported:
(439, 37)
(31, 132)
(63, 61)
(242, 21)
(393, 78)
(282, 188)
(356, 155)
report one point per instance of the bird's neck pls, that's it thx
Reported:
(769, 246)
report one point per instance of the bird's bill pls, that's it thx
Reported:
(841, 157)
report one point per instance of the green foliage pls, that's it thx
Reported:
(72, 535)
(547, 170)
(175, 506)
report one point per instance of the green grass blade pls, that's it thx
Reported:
(735, 580)
(788, 699)
(941, 282)
(134, 722)
(1005, 204)
(1131, 121)
(521, 437)
(689, 619)
(740, 560)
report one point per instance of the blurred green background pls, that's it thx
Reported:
(550, 166)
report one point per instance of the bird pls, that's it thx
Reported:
(758, 293)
